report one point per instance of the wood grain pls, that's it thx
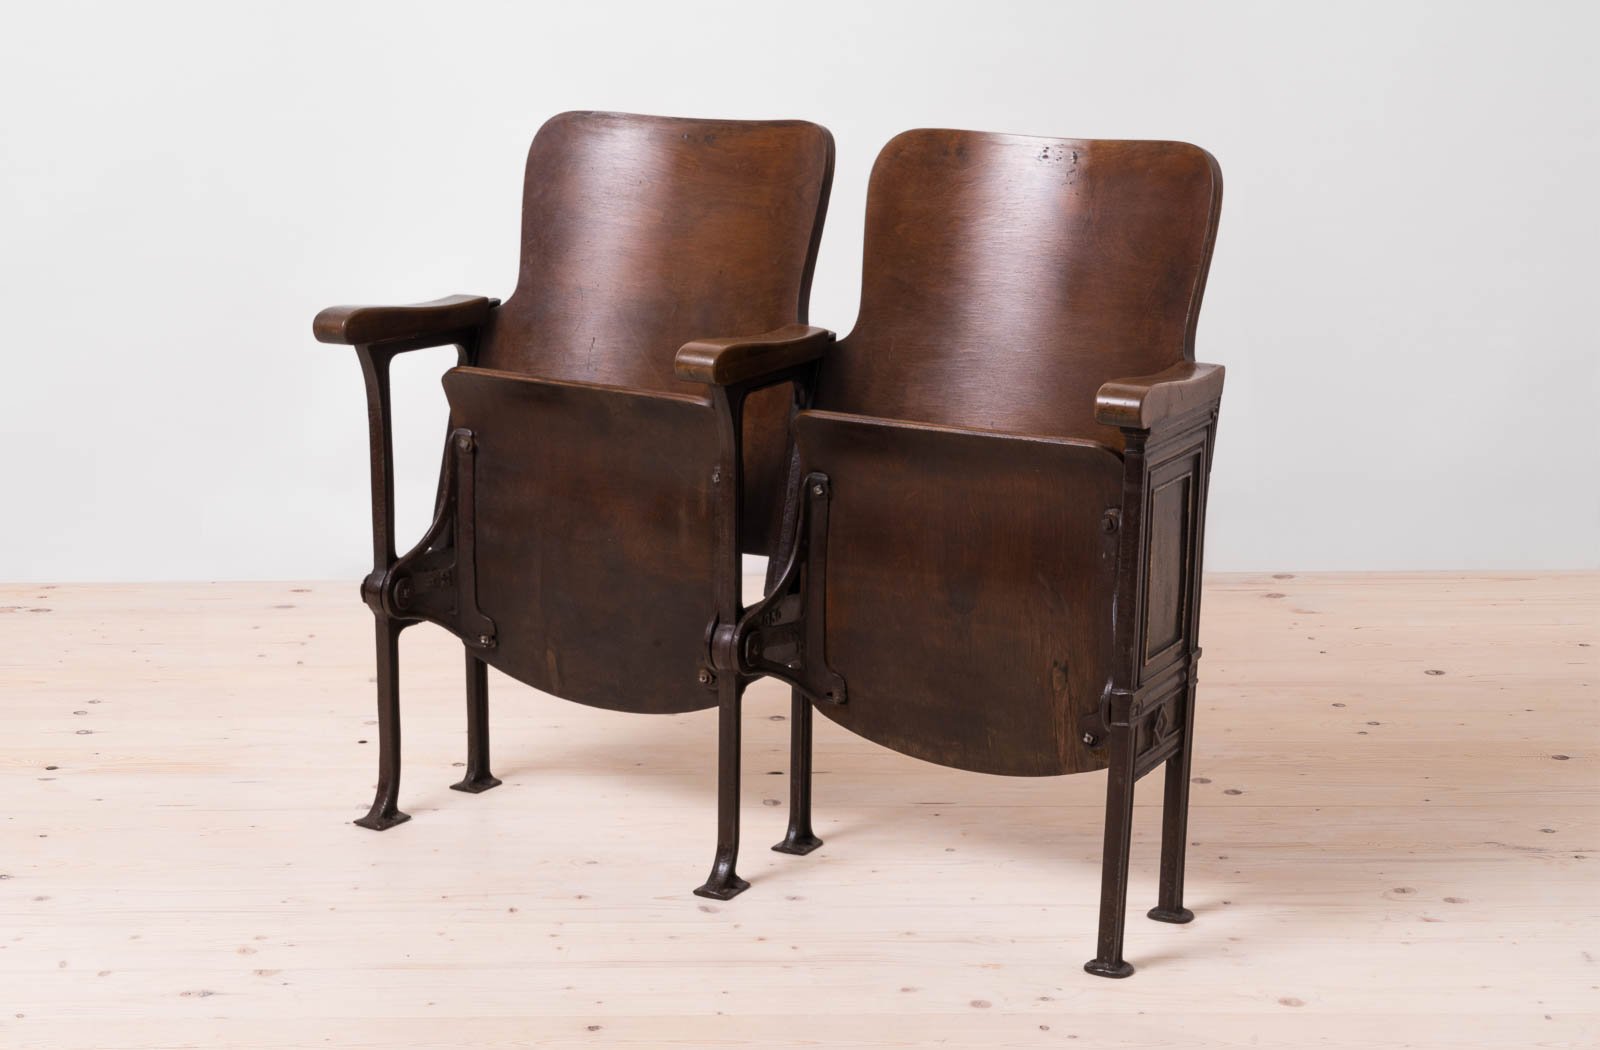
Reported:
(1005, 278)
(1383, 856)
(640, 234)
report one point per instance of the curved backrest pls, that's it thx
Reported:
(642, 233)
(1007, 277)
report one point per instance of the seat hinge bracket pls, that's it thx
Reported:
(436, 580)
(782, 635)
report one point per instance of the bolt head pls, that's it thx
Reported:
(485, 641)
(705, 677)
(817, 489)
(1090, 739)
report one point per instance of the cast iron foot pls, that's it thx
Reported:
(722, 887)
(477, 785)
(798, 844)
(1179, 917)
(378, 820)
(1101, 968)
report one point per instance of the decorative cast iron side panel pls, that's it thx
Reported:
(1171, 505)
(1177, 467)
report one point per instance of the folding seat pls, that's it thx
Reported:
(592, 509)
(993, 543)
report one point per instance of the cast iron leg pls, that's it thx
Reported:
(1174, 832)
(1175, 828)
(478, 778)
(385, 813)
(799, 839)
(1108, 961)
(723, 884)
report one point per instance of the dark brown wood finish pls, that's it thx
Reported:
(367, 325)
(594, 536)
(998, 666)
(591, 515)
(640, 234)
(724, 362)
(1010, 452)
(1007, 277)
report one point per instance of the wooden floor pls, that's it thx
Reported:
(1394, 822)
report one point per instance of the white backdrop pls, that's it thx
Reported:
(1403, 290)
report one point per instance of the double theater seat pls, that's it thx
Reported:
(984, 508)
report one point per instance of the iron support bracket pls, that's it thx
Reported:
(782, 636)
(436, 580)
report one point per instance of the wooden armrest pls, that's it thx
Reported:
(360, 325)
(737, 359)
(1144, 402)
